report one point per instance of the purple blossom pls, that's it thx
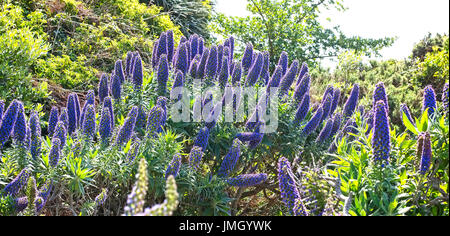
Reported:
(118, 71)
(103, 88)
(230, 160)
(202, 66)
(302, 109)
(247, 57)
(352, 102)
(426, 156)
(195, 157)
(381, 141)
(163, 74)
(302, 88)
(255, 70)
(211, 64)
(288, 189)
(247, 180)
(289, 78)
(312, 125)
(8, 121)
(170, 45)
(182, 60)
(202, 139)
(17, 183)
(20, 126)
(174, 166)
(60, 134)
(429, 100)
(55, 151)
(138, 74)
(53, 120)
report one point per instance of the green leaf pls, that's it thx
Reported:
(409, 125)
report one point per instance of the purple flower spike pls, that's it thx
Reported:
(288, 189)
(247, 57)
(230, 160)
(429, 100)
(247, 180)
(426, 156)
(174, 166)
(312, 125)
(352, 102)
(255, 70)
(381, 141)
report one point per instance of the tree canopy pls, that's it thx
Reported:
(294, 26)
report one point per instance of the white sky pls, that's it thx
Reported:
(409, 20)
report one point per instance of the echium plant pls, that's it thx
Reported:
(230, 160)
(136, 199)
(247, 180)
(352, 102)
(381, 141)
(8, 121)
(17, 183)
(429, 100)
(288, 189)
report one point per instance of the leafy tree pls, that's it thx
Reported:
(293, 26)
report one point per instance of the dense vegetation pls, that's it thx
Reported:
(89, 115)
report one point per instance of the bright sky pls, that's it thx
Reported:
(408, 20)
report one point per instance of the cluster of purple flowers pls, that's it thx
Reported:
(247, 180)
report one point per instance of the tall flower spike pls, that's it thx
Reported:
(163, 74)
(224, 73)
(103, 87)
(429, 100)
(201, 46)
(116, 87)
(302, 88)
(283, 62)
(17, 183)
(174, 166)
(265, 76)
(405, 110)
(8, 121)
(155, 59)
(326, 132)
(302, 109)
(326, 106)
(193, 68)
(288, 79)
(237, 74)
(336, 124)
(230, 160)
(177, 86)
(445, 96)
(138, 74)
(276, 78)
(303, 71)
(53, 120)
(182, 61)
(170, 45)
(247, 180)
(255, 71)
(247, 57)
(128, 60)
(90, 100)
(89, 122)
(219, 58)
(289, 192)
(126, 131)
(202, 65)
(352, 102)
(104, 128)
(335, 102)
(211, 64)
(54, 155)
(202, 139)
(35, 129)
(71, 114)
(141, 119)
(195, 157)
(381, 141)
(312, 125)
(2, 107)
(426, 156)
(194, 46)
(419, 149)
(380, 94)
(136, 199)
(118, 70)
(154, 121)
(20, 126)
(108, 104)
(77, 108)
(162, 46)
(60, 134)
